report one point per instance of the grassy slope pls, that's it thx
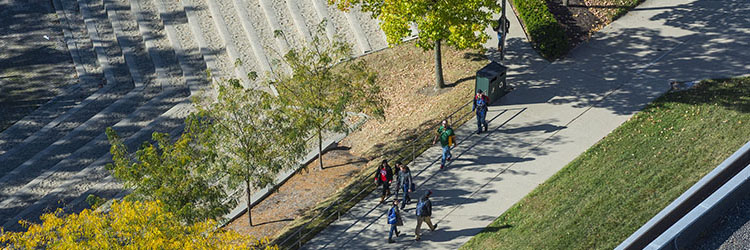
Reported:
(605, 194)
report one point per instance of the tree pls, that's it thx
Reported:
(253, 136)
(175, 173)
(128, 225)
(457, 23)
(326, 85)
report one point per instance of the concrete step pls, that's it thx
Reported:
(62, 148)
(109, 187)
(236, 45)
(85, 168)
(282, 42)
(253, 38)
(134, 50)
(168, 73)
(188, 55)
(209, 57)
(109, 55)
(89, 75)
(321, 11)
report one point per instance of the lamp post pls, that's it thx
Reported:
(504, 32)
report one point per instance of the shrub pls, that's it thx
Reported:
(547, 35)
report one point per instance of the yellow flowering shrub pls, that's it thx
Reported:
(128, 225)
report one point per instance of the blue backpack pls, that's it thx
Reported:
(420, 207)
(392, 218)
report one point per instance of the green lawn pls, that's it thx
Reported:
(613, 188)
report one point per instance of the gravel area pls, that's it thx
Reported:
(215, 45)
(307, 10)
(229, 13)
(732, 231)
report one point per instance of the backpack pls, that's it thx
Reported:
(421, 208)
(481, 103)
(392, 216)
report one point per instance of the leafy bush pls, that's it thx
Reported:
(546, 33)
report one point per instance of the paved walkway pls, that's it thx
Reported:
(555, 113)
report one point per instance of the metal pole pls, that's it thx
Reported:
(505, 31)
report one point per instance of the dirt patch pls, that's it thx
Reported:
(302, 191)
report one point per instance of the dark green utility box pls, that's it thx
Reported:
(491, 80)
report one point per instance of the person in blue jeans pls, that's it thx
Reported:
(480, 106)
(395, 220)
(445, 134)
(405, 183)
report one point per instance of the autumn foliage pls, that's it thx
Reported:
(128, 225)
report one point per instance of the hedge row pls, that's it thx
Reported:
(547, 35)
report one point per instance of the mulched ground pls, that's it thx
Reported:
(301, 192)
(582, 18)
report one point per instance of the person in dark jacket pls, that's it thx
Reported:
(480, 106)
(424, 211)
(395, 220)
(404, 183)
(384, 176)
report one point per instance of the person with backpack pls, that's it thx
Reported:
(498, 28)
(395, 220)
(424, 211)
(447, 137)
(384, 177)
(480, 106)
(405, 183)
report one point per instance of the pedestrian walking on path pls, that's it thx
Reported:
(424, 211)
(447, 137)
(499, 29)
(405, 183)
(395, 220)
(480, 106)
(384, 177)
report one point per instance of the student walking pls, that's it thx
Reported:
(424, 211)
(446, 136)
(499, 29)
(480, 106)
(405, 183)
(384, 176)
(395, 220)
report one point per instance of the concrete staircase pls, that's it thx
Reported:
(139, 62)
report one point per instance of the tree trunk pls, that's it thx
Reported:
(249, 215)
(439, 66)
(320, 148)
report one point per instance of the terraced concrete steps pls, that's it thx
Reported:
(16, 195)
(186, 50)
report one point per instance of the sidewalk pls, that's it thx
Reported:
(555, 113)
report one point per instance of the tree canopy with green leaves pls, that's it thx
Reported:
(127, 225)
(253, 135)
(457, 23)
(175, 173)
(326, 85)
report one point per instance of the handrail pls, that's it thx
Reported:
(413, 144)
